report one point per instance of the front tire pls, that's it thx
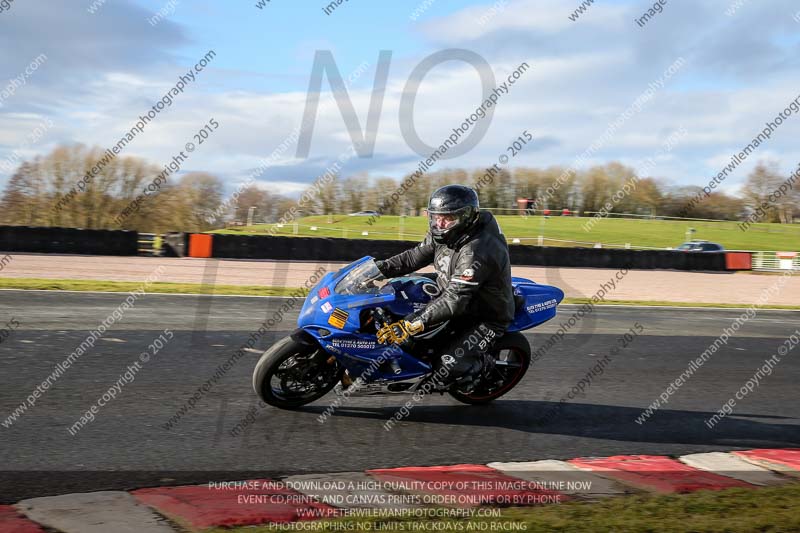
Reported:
(512, 355)
(291, 374)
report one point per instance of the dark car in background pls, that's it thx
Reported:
(365, 214)
(700, 246)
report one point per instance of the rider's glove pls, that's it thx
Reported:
(399, 332)
(413, 324)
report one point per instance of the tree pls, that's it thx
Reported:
(648, 196)
(595, 190)
(381, 190)
(761, 182)
(329, 198)
(18, 203)
(202, 195)
(563, 184)
(354, 190)
(40, 192)
(758, 191)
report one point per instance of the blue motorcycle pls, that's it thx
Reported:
(335, 345)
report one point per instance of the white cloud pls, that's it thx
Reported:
(289, 188)
(546, 17)
(583, 75)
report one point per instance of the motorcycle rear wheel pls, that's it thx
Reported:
(512, 355)
(291, 374)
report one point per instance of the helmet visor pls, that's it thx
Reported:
(443, 221)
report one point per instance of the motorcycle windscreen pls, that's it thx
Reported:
(362, 278)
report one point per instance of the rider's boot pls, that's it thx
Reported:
(480, 373)
(467, 382)
(343, 385)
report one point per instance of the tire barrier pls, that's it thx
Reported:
(68, 241)
(615, 258)
(322, 249)
(175, 244)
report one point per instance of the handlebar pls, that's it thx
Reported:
(380, 317)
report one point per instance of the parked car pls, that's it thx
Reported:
(365, 214)
(700, 246)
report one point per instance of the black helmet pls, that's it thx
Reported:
(461, 204)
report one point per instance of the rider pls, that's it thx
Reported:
(473, 272)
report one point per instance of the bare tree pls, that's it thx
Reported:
(761, 182)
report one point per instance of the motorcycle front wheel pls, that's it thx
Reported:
(291, 374)
(512, 355)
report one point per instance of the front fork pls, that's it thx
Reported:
(301, 336)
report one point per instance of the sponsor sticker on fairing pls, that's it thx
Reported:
(338, 318)
(326, 307)
(541, 306)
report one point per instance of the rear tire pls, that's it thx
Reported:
(291, 374)
(513, 355)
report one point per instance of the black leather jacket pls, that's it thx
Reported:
(474, 275)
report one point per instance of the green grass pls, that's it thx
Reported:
(660, 303)
(609, 231)
(731, 511)
(125, 286)
(257, 290)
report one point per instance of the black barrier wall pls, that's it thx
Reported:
(302, 248)
(118, 242)
(319, 249)
(615, 258)
(68, 241)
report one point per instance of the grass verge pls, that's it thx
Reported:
(258, 290)
(734, 510)
(128, 286)
(658, 303)
(556, 231)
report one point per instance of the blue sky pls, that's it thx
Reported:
(104, 69)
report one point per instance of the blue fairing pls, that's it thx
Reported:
(539, 305)
(334, 319)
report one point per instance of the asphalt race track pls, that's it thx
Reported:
(127, 445)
